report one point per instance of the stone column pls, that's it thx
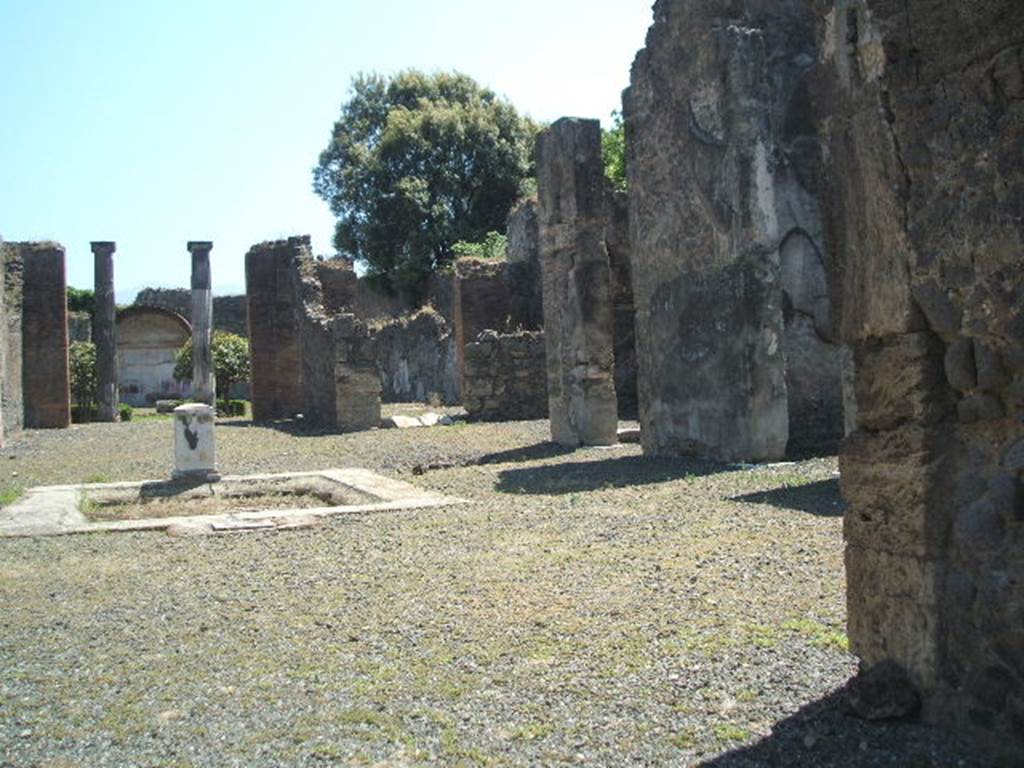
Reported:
(578, 308)
(104, 331)
(204, 387)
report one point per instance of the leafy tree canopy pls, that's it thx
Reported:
(418, 162)
(230, 360)
(81, 300)
(613, 150)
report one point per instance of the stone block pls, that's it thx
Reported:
(901, 379)
(898, 486)
(893, 611)
(195, 453)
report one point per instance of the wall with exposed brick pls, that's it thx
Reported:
(273, 330)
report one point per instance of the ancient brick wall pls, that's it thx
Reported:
(13, 405)
(3, 345)
(578, 293)
(46, 393)
(340, 380)
(273, 331)
(338, 283)
(722, 170)
(416, 355)
(481, 302)
(922, 114)
(506, 377)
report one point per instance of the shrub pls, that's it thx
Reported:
(82, 362)
(493, 246)
(230, 360)
(231, 407)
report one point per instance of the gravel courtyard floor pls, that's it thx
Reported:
(587, 608)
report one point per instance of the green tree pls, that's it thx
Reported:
(81, 300)
(613, 151)
(82, 370)
(417, 163)
(230, 360)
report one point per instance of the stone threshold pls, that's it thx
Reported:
(55, 510)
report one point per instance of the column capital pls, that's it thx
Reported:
(103, 246)
(200, 246)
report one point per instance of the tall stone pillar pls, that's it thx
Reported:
(204, 388)
(922, 114)
(45, 378)
(578, 305)
(104, 331)
(274, 348)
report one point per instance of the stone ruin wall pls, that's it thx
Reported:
(922, 114)
(340, 380)
(624, 313)
(734, 337)
(416, 355)
(36, 390)
(506, 377)
(481, 302)
(274, 349)
(579, 312)
(230, 313)
(522, 270)
(13, 405)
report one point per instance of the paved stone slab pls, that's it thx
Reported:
(55, 510)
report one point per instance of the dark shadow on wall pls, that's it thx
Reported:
(823, 735)
(607, 473)
(821, 498)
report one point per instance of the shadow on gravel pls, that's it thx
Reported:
(822, 734)
(610, 473)
(291, 427)
(545, 450)
(821, 498)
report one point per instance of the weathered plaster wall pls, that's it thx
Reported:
(506, 378)
(577, 284)
(726, 227)
(276, 366)
(922, 113)
(148, 340)
(416, 355)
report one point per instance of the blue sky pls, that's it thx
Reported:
(153, 123)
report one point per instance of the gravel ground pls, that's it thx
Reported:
(588, 608)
